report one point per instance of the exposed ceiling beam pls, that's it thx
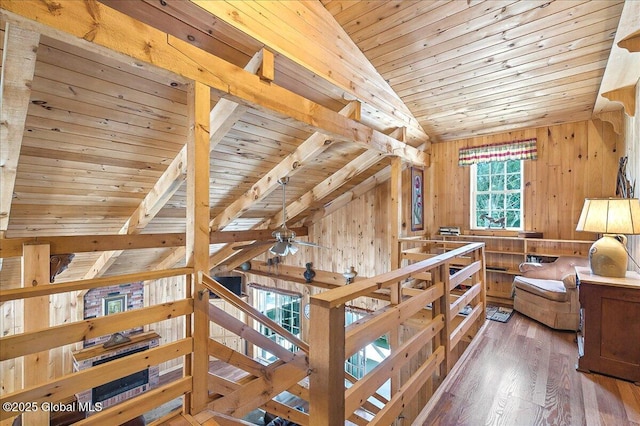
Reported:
(307, 34)
(221, 119)
(307, 150)
(327, 186)
(344, 199)
(12, 247)
(109, 28)
(18, 66)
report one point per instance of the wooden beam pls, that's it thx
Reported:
(12, 247)
(24, 293)
(307, 34)
(221, 119)
(35, 273)
(260, 390)
(109, 28)
(344, 199)
(18, 65)
(327, 186)
(239, 258)
(197, 247)
(325, 279)
(307, 150)
(47, 337)
(326, 360)
(249, 235)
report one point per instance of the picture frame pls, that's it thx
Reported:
(114, 304)
(417, 199)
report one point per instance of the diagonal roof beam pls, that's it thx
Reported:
(108, 28)
(225, 260)
(330, 184)
(221, 119)
(18, 66)
(344, 199)
(307, 150)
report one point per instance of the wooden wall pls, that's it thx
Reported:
(632, 134)
(575, 161)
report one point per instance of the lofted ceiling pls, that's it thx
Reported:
(101, 133)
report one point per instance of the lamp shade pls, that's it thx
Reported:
(610, 216)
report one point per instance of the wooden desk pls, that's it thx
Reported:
(611, 324)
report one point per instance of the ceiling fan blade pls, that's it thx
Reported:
(305, 243)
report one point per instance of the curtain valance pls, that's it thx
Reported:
(513, 150)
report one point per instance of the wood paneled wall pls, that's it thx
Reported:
(575, 161)
(632, 135)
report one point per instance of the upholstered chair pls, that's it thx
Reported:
(547, 292)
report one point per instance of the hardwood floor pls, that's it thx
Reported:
(523, 373)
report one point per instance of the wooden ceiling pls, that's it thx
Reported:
(467, 68)
(102, 133)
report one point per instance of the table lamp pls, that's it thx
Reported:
(611, 217)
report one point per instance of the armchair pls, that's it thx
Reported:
(547, 292)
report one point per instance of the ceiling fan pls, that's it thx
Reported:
(284, 242)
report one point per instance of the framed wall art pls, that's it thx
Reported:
(114, 304)
(417, 199)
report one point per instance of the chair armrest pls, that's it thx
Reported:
(529, 266)
(569, 281)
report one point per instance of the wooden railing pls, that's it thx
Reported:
(260, 383)
(430, 299)
(38, 398)
(428, 295)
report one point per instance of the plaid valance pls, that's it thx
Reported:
(514, 150)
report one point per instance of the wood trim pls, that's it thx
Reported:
(12, 247)
(134, 407)
(46, 338)
(626, 96)
(18, 66)
(23, 293)
(364, 332)
(631, 42)
(66, 386)
(111, 29)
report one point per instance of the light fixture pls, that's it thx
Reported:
(612, 217)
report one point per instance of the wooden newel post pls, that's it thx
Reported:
(35, 272)
(326, 360)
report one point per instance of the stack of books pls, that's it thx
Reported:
(449, 230)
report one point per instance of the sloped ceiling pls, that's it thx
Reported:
(467, 68)
(100, 133)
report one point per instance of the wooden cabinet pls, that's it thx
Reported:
(504, 254)
(610, 325)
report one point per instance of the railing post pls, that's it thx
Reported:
(326, 360)
(35, 272)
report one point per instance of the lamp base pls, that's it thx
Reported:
(608, 257)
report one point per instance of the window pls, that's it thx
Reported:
(284, 309)
(496, 195)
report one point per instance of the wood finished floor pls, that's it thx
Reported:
(523, 373)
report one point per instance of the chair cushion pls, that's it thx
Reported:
(549, 289)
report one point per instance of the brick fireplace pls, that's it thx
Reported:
(126, 387)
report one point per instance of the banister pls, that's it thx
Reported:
(46, 290)
(342, 295)
(238, 303)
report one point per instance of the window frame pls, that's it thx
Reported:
(473, 192)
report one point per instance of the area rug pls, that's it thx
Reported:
(499, 313)
(494, 313)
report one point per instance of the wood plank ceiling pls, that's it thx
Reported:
(100, 133)
(467, 68)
